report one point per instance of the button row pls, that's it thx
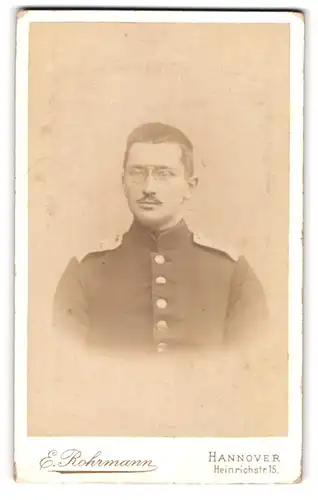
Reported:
(161, 325)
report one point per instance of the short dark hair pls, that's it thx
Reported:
(156, 133)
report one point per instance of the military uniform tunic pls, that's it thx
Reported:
(166, 291)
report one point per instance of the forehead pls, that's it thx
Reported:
(165, 153)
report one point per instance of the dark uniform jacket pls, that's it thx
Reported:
(175, 290)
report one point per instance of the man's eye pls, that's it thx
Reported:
(165, 173)
(136, 173)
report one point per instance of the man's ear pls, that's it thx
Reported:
(192, 184)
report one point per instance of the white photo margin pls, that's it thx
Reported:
(178, 460)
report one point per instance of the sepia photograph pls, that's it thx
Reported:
(161, 223)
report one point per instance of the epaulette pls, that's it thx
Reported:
(110, 243)
(201, 240)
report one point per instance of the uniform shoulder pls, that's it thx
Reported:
(215, 246)
(104, 246)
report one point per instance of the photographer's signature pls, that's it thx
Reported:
(72, 461)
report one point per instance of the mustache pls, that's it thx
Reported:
(149, 199)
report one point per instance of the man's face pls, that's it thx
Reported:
(156, 184)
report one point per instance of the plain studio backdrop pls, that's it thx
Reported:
(227, 87)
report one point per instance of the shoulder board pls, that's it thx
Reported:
(110, 243)
(201, 240)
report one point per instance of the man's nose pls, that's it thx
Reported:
(149, 184)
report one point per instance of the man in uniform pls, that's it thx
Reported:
(159, 286)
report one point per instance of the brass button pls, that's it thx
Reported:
(159, 259)
(162, 346)
(161, 303)
(161, 280)
(162, 325)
